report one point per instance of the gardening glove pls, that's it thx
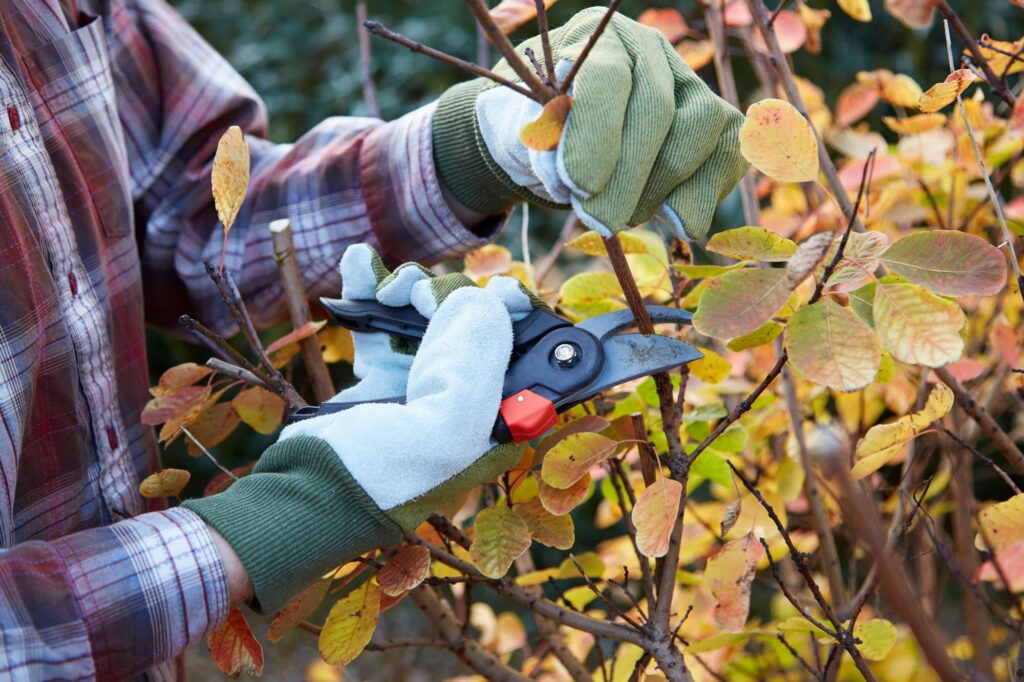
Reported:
(336, 486)
(645, 137)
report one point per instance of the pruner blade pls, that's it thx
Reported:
(605, 325)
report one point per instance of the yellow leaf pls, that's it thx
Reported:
(728, 575)
(500, 537)
(573, 457)
(914, 125)
(164, 483)
(897, 89)
(336, 344)
(814, 20)
(592, 244)
(857, 9)
(259, 408)
(230, 175)
(876, 636)
(655, 514)
(667, 20)
(591, 293)
(712, 368)
(998, 54)
(752, 243)
(1002, 524)
(779, 142)
(543, 133)
(941, 94)
(882, 441)
(488, 260)
(766, 333)
(350, 624)
(405, 570)
(917, 327)
(696, 53)
(297, 610)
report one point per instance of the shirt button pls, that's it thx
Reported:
(73, 283)
(112, 437)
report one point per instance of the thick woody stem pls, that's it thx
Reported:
(365, 62)
(977, 412)
(378, 29)
(297, 303)
(542, 93)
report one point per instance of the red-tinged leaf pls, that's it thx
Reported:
(589, 423)
(966, 369)
(545, 527)
(917, 327)
(948, 262)
(573, 457)
(488, 260)
(655, 515)
(1010, 562)
(404, 571)
(696, 53)
(212, 426)
(739, 302)
(178, 377)
(915, 14)
(561, 502)
(500, 537)
(831, 346)
(234, 648)
(999, 54)
(296, 335)
(779, 142)
(388, 602)
(164, 483)
(350, 624)
(511, 14)
(667, 20)
(222, 482)
(297, 610)
(260, 409)
(737, 14)
(173, 405)
(789, 31)
(729, 575)
(543, 133)
(886, 166)
(1016, 127)
(1006, 341)
(855, 102)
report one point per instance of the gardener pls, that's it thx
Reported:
(110, 111)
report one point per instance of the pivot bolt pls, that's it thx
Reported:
(565, 354)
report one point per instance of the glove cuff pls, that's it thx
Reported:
(298, 515)
(461, 157)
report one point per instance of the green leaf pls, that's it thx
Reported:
(706, 271)
(574, 456)
(733, 439)
(948, 262)
(877, 637)
(713, 467)
(766, 333)
(752, 243)
(589, 294)
(705, 413)
(712, 368)
(739, 302)
(831, 346)
(500, 537)
(918, 327)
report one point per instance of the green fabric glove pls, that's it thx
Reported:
(645, 137)
(339, 485)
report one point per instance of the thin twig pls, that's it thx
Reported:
(202, 448)
(996, 203)
(366, 62)
(235, 372)
(556, 249)
(987, 461)
(378, 29)
(218, 344)
(793, 652)
(612, 606)
(545, 41)
(500, 41)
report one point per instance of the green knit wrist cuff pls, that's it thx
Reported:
(462, 160)
(294, 518)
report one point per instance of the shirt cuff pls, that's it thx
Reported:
(147, 587)
(410, 218)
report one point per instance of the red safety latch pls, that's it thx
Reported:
(527, 415)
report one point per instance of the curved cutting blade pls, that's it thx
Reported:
(603, 326)
(630, 356)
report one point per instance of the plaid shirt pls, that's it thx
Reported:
(110, 112)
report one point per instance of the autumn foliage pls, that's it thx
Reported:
(830, 493)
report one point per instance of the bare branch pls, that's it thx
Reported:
(500, 41)
(366, 62)
(235, 372)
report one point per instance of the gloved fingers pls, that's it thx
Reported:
(395, 289)
(648, 119)
(691, 206)
(361, 271)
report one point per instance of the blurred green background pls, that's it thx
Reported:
(302, 56)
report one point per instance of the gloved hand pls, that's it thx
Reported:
(341, 484)
(645, 137)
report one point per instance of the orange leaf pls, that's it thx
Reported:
(178, 377)
(350, 624)
(898, 89)
(573, 457)
(407, 569)
(336, 345)
(1016, 128)
(230, 175)
(696, 53)
(545, 527)
(855, 102)
(737, 14)
(814, 20)
(655, 515)
(667, 20)
(488, 260)
(296, 335)
(789, 31)
(176, 404)
(511, 14)
(729, 575)
(1011, 563)
(915, 14)
(234, 648)
(297, 610)
(543, 133)
(164, 483)
(260, 409)
(212, 426)
(561, 502)
(941, 94)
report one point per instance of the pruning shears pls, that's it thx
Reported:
(555, 364)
